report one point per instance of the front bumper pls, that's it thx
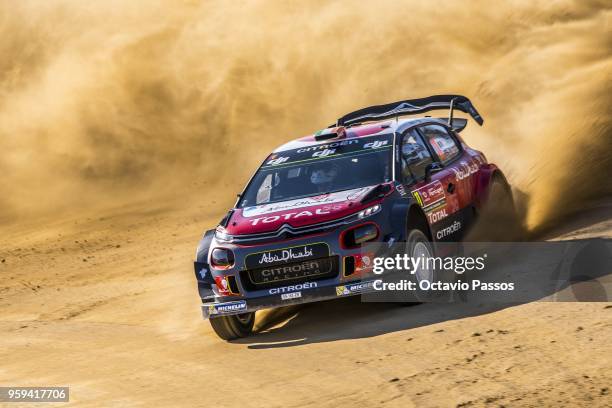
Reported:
(317, 294)
(244, 296)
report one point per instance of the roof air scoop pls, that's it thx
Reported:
(338, 132)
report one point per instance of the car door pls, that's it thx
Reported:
(430, 183)
(457, 176)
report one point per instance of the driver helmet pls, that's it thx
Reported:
(324, 174)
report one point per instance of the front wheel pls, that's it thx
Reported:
(233, 326)
(426, 275)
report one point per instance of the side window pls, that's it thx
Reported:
(264, 190)
(268, 190)
(415, 157)
(441, 142)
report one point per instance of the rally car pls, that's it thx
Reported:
(296, 232)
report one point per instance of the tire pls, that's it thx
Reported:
(233, 326)
(498, 220)
(418, 245)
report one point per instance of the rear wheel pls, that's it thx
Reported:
(233, 326)
(498, 220)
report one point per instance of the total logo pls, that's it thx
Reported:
(294, 215)
(436, 216)
(454, 227)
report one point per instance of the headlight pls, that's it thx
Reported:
(369, 211)
(222, 257)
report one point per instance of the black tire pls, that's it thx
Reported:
(418, 245)
(233, 326)
(499, 219)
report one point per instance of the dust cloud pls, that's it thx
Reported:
(103, 103)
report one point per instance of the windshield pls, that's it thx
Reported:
(324, 168)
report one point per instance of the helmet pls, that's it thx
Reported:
(326, 173)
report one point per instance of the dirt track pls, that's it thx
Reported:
(104, 104)
(109, 307)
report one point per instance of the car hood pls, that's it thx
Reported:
(297, 213)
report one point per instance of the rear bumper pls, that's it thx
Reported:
(317, 294)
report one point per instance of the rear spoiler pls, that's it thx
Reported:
(412, 107)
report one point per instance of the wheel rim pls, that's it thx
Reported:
(420, 250)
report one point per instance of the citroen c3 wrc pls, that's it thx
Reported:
(296, 232)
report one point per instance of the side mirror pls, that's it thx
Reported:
(431, 169)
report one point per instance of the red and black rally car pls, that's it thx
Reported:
(296, 232)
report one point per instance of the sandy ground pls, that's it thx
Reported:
(108, 306)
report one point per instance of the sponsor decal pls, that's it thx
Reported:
(432, 198)
(285, 255)
(279, 160)
(417, 197)
(363, 263)
(465, 170)
(436, 216)
(346, 147)
(353, 288)
(444, 232)
(435, 206)
(203, 272)
(327, 146)
(320, 198)
(324, 153)
(376, 144)
(293, 215)
(433, 191)
(293, 288)
(365, 260)
(286, 272)
(223, 285)
(332, 198)
(400, 189)
(429, 194)
(227, 307)
(292, 295)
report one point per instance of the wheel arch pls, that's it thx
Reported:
(416, 219)
(487, 175)
(204, 246)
